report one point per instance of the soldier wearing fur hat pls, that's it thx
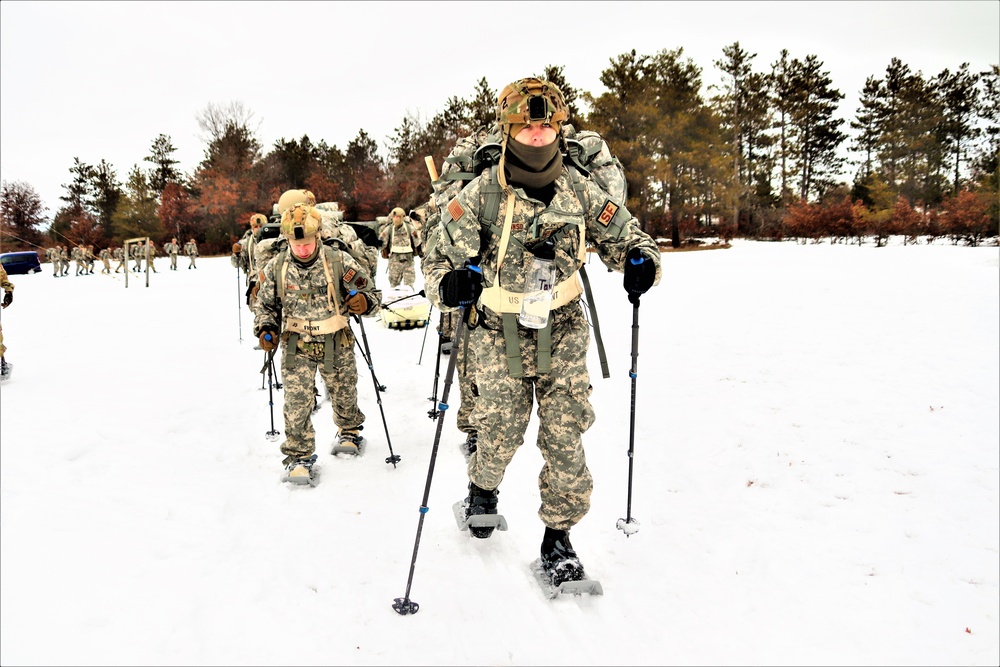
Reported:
(401, 243)
(306, 295)
(547, 215)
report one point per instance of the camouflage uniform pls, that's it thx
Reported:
(306, 299)
(191, 250)
(105, 256)
(592, 152)
(402, 243)
(119, 256)
(504, 404)
(6, 286)
(64, 260)
(137, 256)
(52, 255)
(78, 258)
(152, 254)
(172, 249)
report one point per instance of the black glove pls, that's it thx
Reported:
(640, 272)
(251, 291)
(268, 339)
(461, 287)
(7, 298)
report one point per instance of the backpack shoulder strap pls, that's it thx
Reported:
(280, 269)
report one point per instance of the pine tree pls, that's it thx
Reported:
(163, 170)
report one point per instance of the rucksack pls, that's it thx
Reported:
(586, 154)
(587, 151)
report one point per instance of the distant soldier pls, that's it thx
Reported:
(52, 255)
(172, 249)
(191, 250)
(152, 253)
(401, 241)
(105, 256)
(243, 250)
(8, 298)
(77, 254)
(136, 253)
(88, 258)
(63, 260)
(119, 256)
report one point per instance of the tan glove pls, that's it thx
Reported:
(268, 339)
(357, 304)
(237, 248)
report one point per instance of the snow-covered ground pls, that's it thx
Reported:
(815, 479)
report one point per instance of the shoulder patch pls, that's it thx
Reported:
(455, 209)
(608, 213)
(349, 275)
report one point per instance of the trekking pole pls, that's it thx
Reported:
(239, 305)
(629, 525)
(426, 327)
(277, 380)
(404, 605)
(393, 458)
(433, 412)
(273, 434)
(379, 387)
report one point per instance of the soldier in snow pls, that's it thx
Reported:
(191, 250)
(547, 214)
(401, 243)
(306, 295)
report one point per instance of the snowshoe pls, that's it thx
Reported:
(300, 471)
(349, 442)
(6, 370)
(478, 512)
(560, 569)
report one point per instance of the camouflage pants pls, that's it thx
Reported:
(401, 269)
(298, 373)
(3, 348)
(503, 410)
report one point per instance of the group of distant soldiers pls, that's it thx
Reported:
(84, 258)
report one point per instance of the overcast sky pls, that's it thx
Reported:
(100, 80)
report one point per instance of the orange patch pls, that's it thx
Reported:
(349, 275)
(608, 213)
(455, 209)
(516, 226)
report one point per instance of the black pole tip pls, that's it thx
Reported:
(404, 606)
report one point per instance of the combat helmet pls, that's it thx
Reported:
(290, 198)
(300, 222)
(527, 100)
(257, 220)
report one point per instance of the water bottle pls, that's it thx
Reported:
(538, 288)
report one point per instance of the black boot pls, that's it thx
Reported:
(558, 557)
(480, 501)
(469, 446)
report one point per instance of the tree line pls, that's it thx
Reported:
(759, 156)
